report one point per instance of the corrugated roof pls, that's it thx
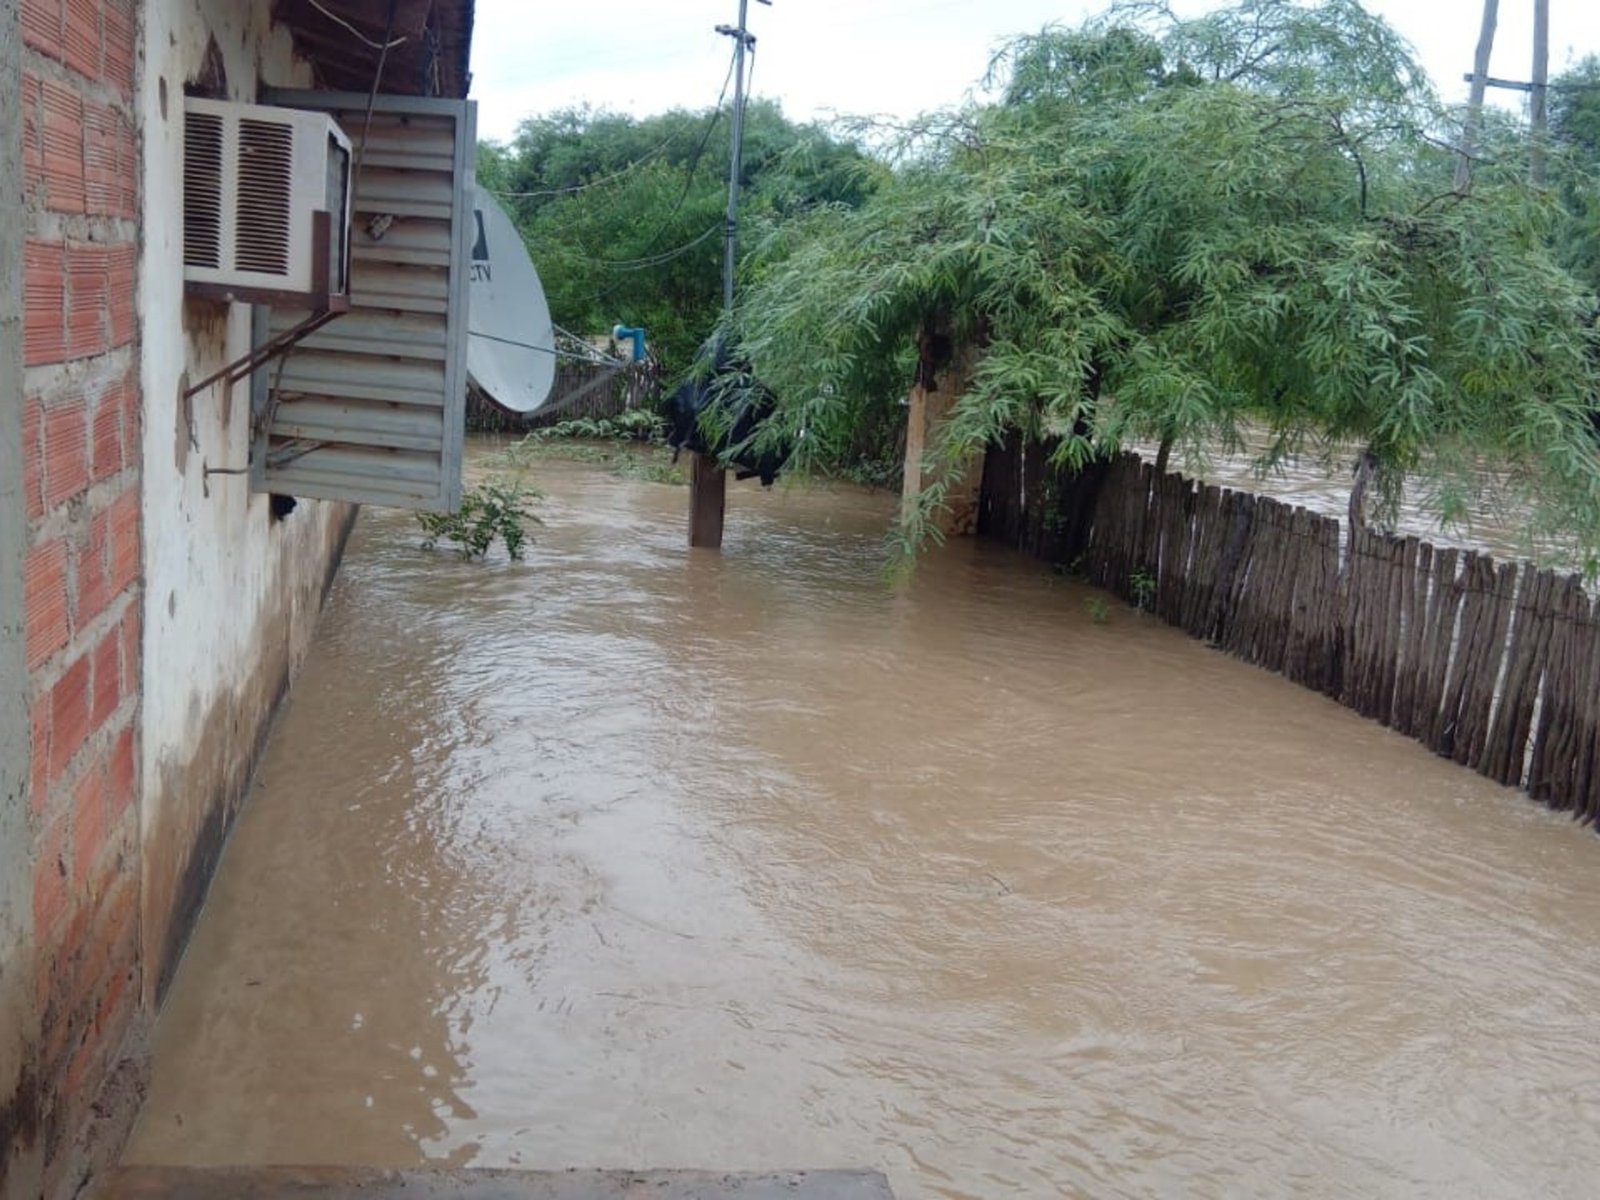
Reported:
(430, 43)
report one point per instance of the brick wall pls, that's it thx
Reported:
(82, 453)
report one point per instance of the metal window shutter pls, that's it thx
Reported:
(371, 407)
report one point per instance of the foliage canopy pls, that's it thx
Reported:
(624, 215)
(1182, 230)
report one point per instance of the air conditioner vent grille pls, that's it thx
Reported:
(202, 190)
(266, 181)
(266, 203)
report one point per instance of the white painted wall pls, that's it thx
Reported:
(216, 566)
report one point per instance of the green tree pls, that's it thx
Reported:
(1169, 229)
(1575, 132)
(623, 215)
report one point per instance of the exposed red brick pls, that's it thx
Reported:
(39, 786)
(106, 444)
(83, 37)
(66, 451)
(111, 1011)
(45, 601)
(33, 455)
(62, 142)
(93, 570)
(49, 881)
(88, 820)
(107, 678)
(97, 945)
(69, 716)
(87, 265)
(42, 26)
(132, 660)
(44, 301)
(86, 1066)
(131, 650)
(124, 541)
(119, 46)
(120, 788)
(132, 420)
(32, 143)
(108, 160)
(121, 286)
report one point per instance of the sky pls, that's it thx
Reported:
(876, 57)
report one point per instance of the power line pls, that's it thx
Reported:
(694, 161)
(584, 187)
(635, 164)
(655, 260)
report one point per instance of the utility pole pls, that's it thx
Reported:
(1538, 100)
(708, 482)
(743, 40)
(1479, 80)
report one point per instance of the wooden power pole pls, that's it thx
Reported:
(1480, 81)
(708, 482)
(1538, 99)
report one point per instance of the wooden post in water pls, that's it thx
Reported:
(708, 490)
(943, 374)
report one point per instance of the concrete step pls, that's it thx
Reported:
(361, 1183)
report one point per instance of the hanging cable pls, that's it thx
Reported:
(636, 163)
(592, 183)
(640, 264)
(594, 358)
(386, 44)
(372, 96)
(694, 162)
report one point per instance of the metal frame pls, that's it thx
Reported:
(463, 115)
(324, 307)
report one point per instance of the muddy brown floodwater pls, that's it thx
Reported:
(627, 856)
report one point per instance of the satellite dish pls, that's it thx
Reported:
(511, 353)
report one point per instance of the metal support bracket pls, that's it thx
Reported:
(242, 368)
(324, 308)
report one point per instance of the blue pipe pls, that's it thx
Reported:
(637, 337)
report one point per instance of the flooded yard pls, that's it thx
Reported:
(627, 856)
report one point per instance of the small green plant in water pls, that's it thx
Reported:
(1142, 587)
(1099, 611)
(631, 425)
(498, 508)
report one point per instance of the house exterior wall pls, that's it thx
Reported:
(231, 595)
(117, 783)
(82, 558)
(19, 1017)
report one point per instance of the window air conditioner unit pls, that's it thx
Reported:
(266, 204)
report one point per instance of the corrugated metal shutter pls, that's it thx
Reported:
(370, 408)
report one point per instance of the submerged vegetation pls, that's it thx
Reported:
(632, 444)
(1168, 230)
(499, 509)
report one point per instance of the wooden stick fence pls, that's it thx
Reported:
(581, 389)
(1494, 665)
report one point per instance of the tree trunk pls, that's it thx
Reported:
(1163, 455)
(1480, 81)
(1366, 468)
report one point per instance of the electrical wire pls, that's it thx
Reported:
(584, 187)
(597, 359)
(387, 44)
(694, 162)
(636, 163)
(372, 96)
(640, 264)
